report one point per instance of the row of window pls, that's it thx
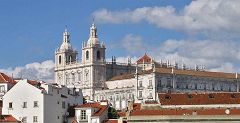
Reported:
(141, 84)
(129, 96)
(207, 87)
(35, 119)
(98, 55)
(73, 77)
(35, 104)
(140, 95)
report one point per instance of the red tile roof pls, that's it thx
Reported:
(8, 118)
(144, 59)
(129, 75)
(111, 121)
(6, 79)
(33, 82)
(74, 120)
(198, 98)
(121, 77)
(185, 112)
(121, 114)
(101, 108)
(197, 73)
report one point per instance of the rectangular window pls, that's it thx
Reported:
(169, 81)
(150, 82)
(140, 94)
(35, 119)
(150, 95)
(2, 89)
(79, 76)
(24, 104)
(140, 83)
(24, 120)
(10, 105)
(35, 104)
(159, 83)
(83, 114)
(63, 104)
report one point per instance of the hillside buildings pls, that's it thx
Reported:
(140, 81)
(35, 102)
(187, 107)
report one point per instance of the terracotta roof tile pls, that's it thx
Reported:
(121, 114)
(101, 108)
(198, 98)
(6, 79)
(121, 77)
(111, 121)
(74, 120)
(197, 73)
(130, 75)
(8, 118)
(185, 112)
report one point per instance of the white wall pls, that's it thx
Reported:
(24, 92)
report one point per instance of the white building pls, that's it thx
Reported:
(119, 83)
(91, 112)
(89, 73)
(32, 102)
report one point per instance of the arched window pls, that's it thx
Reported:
(60, 59)
(70, 58)
(87, 55)
(73, 77)
(98, 55)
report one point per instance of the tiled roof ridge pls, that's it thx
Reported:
(129, 75)
(213, 74)
(199, 111)
(6, 78)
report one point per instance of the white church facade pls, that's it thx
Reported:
(140, 81)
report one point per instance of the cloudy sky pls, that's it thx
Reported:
(203, 32)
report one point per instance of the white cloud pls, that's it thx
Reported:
(215, 55)
(133, 44)
(34, 71)
(208, 17)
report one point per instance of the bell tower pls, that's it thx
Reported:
(64, 56)
(93, 60)
(92, 51)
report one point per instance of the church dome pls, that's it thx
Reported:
(66, 41)
(66, 46)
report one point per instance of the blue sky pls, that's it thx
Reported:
(32, 30)
(203, 32)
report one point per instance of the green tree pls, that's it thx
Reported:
(112, 113)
